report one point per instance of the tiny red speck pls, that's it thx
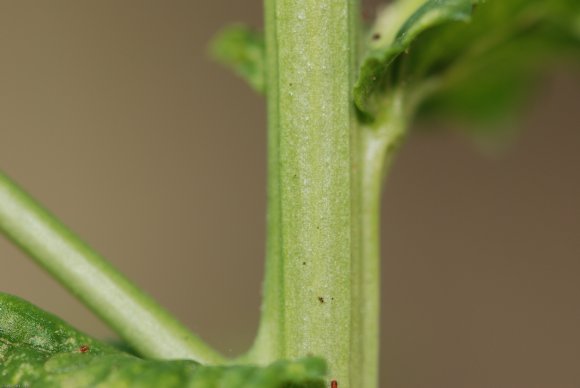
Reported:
(84, 348)
(333, 384)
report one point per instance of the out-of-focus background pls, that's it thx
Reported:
(112, 115)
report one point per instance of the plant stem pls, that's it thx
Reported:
(325, 171)
(269, 341)
(136, 317)
(378, 144)
(307, 308)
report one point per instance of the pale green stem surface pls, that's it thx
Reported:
(309, 82)
(269, 342)
(314, 124)
(325, 171)
(133, 315)
(378, 144)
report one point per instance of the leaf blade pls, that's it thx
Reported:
(493, 74)
(39, 349)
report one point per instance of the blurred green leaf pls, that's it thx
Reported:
(487, 75)
(375, 75)
(242, 49)
(480, 70)
(40, 350)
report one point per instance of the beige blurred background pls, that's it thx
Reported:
(112, 115)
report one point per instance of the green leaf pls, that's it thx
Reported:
(490, 71)
(38, 349)
(374, 77)
(478, 70)
(242, 49)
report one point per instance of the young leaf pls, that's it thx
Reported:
(479, 69)
(383, 50)
(38, 349)
(242, 49)
(497, 60)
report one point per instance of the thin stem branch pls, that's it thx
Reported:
(378, 145)
(136, 317)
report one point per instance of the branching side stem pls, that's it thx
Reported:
(134, 316)
(378, 145)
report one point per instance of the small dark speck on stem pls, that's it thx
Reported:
(321, 299)
(334, 384)
(376, 36)
(84, 348)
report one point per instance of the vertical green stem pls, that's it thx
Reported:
(315, 116)
(310, 75)
(378, 145)
(325, 178)
(269, 342)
